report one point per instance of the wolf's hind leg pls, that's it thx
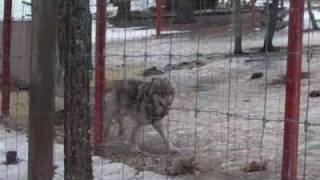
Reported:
(134, 138)
(106, 131)
(107, 122)
(121, 126)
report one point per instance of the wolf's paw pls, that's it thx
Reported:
(135, 149)
(173, 149)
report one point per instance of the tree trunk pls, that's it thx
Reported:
(42, 99)
(230, 3)
(185, 12)
(124, 7)
(205, 4)
(282, 4)
(75, 54)
(197, 4)
(271, 28)
(311, 15)
(169, 5)
(237, 27)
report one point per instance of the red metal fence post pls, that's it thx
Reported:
(292, 105)
(158, 16)
(99, 71)
(6, 43)
(253, 13)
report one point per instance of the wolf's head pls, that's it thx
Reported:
(163, 88)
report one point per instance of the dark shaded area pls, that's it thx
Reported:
(314, 94)
(12, 157)
(257, 75)
(184, 11)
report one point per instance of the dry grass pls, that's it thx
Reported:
(19, 103)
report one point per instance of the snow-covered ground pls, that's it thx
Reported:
(206, 135)
(103, 169)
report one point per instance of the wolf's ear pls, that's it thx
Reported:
(166, 79)
(154, 84)
(155, 79)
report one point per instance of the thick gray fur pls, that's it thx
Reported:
(146, 103)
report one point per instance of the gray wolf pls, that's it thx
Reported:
(146, 103)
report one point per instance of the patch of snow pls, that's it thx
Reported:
(142, 5)
(103, 168)
(307, 23)
(20, 11)
(131, 33)
(111, 9)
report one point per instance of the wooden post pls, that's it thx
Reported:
(158, 17)
(292, 106)
(99, 72)
(42, 101)
(6, 44)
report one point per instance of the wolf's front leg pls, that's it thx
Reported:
(158, 126)
(160, 105)
(106, 129)
(134, 137)
(121, 127)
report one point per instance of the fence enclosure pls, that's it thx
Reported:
(233, 116)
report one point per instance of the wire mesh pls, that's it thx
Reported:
(228, 111)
